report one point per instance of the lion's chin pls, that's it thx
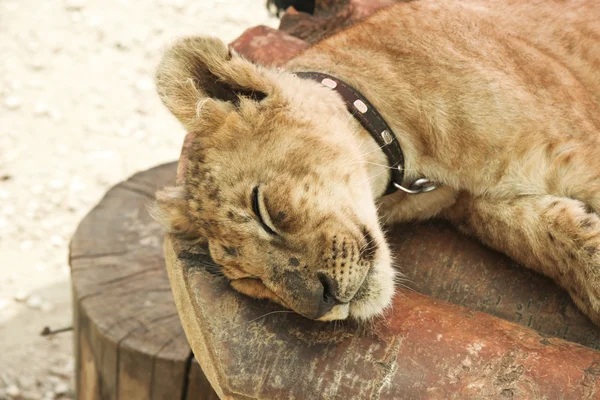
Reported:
(341, 311)
(376, 295)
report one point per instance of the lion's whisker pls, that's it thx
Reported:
(370, 179)
(269, 313)
(382, 166)
(362, 155)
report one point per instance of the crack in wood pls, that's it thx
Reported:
(164, 317)
(186, 377)
(97, 255)
(136, 189)
(389, 366)
(126, 277)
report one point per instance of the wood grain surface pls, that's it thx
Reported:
(423, 348)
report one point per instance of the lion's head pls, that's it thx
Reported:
(275, 183)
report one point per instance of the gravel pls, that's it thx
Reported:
(78, 114)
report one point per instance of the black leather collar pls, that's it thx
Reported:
(379, 130)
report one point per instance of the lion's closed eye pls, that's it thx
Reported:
(261, 212)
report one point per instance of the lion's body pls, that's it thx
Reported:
(496, 101)
(486, 97)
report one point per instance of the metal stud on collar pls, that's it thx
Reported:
(360, 106)
(330, 83)
(387, 137)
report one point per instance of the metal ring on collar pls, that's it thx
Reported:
(422, 185)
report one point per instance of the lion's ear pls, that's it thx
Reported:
(198, 69)
(171, 210)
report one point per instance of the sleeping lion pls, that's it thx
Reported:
(485, 113)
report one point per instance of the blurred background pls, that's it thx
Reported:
(78, 114)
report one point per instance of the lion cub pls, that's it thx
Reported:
(497, 102)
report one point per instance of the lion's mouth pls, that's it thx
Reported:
(343, 311)
(338, 312)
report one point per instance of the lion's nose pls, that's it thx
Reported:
(327, 300)
(312, 296)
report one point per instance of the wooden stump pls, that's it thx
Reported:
(129, 343)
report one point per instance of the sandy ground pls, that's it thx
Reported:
(78, 113)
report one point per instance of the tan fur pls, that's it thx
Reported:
(496, 101)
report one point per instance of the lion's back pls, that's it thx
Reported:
(567, 30)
